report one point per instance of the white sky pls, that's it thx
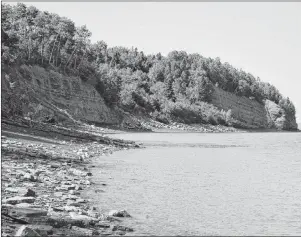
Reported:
(261, 38)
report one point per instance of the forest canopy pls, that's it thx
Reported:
(178, 84)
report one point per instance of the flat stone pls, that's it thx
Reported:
(43, 230)
(70, 197)
(119, 232)
(55, 165)
(83, 231)
(58, 194)
(76, 216)
(16, 200)
(103, 224)
(93, 214)
(71, 187)
(73, 203)
(99, 191)
(62, 188)
(71, 209)
(27, 205)
(24, 192)
(80, 200)
(77, 187)
(26, 211)
(61, 221)
(122, 228)
(73, 192)
(58, 209)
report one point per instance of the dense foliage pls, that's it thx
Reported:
(178, 85)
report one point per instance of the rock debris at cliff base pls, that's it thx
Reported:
(42, 181)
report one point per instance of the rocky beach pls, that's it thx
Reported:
(44, 171)
(46, 167)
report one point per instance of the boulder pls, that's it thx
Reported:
(120, 213)
(29, 177)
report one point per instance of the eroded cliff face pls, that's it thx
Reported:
(253, 114)
(35, 92)
(277, 118)
(245, 110)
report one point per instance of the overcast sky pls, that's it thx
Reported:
(261, 38)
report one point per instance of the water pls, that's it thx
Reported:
(205, 184)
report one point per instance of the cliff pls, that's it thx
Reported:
(32, 91)
(46, 95)
(251, 113)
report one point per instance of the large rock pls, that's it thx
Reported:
(62, 221)
(26, 212)
(29, 177)
(120, 213)
(24, 192)
(25, 231)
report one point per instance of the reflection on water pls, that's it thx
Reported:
(206, 184)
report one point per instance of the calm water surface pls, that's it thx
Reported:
(205, 184)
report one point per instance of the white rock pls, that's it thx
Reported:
(25, 231)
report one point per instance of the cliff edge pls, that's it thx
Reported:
(48, 96)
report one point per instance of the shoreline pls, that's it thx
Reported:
(152, 126)
(42, 180)
(45, 168)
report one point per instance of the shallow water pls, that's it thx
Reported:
(205, 184)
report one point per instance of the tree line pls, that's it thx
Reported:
(178, 85)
